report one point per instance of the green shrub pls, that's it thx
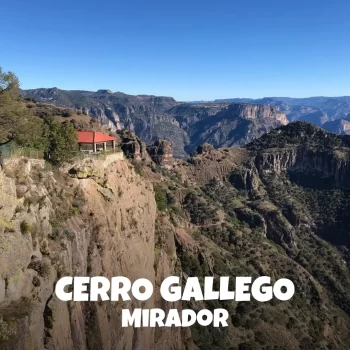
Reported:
(200, 211)
(251, 345)
(6, 330)
(25, 227)
(67, 114)
(138, 168)
(161, 198)
(133, 223)
(74, 210)
(69, 234)
(45, 269)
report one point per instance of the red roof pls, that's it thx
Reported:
(93, 137)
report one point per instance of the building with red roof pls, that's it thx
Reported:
(94, 141)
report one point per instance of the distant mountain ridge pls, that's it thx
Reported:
(331, 113)
(186, 125)
(317, 110)
(339, 126)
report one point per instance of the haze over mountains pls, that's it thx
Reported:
(317, 110)
(223, 123)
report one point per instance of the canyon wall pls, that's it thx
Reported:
(98, 220)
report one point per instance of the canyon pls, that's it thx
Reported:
(152, 118)
(223, 123)
(277, 207)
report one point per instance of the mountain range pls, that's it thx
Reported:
(317, 110)
(223, 123)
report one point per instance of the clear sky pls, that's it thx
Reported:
(191, 50)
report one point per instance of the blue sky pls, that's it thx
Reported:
(191, 50)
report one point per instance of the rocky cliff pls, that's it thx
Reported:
(161, 153)
(317, 110)
(189, 114)
(338, 126)
(236, 125)
(91, 218)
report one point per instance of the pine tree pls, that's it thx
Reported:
(62, 140)
(12, 110)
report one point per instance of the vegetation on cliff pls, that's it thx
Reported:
(44, 133)
(300, 134)
(236, 218)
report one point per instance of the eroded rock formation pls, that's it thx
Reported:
(161, 153)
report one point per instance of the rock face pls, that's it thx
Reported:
(236, 125)
(8, 201)
(161, 153)
(306, 152)
(331, 168)
(206, 147)
(133, 147)
(256, 112)
(339, 126)
(62, 225)
(317, 110)
(189, 114)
